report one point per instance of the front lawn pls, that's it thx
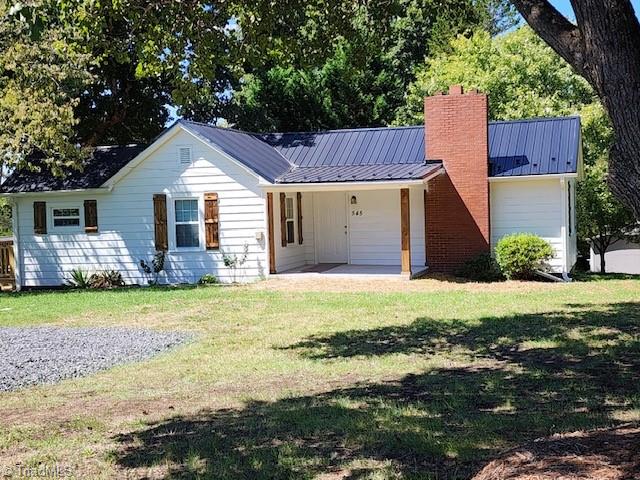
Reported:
(281, 381)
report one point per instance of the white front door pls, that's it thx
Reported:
(331, 234)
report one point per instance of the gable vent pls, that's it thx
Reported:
(184, 155)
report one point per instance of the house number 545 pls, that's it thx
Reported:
(356, 213)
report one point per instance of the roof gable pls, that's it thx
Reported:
(246, 148)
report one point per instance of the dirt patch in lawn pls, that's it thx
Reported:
(611, 454)
(434, 283)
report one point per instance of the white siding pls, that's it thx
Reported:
(375, 235)
(418, 254)
(533, 206)
(294, 255)
(125, 221)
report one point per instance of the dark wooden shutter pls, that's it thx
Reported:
(160, 222)
(283, 220)
(40, 218)
(90, 216)
(211, 221)
(270, 232)
(299, 207)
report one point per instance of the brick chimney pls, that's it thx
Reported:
(457, 205)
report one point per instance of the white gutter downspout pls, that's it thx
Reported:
(563, 230)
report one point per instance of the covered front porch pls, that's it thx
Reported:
(348, 230)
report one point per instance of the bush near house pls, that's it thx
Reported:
(208, 279)
(519, 255)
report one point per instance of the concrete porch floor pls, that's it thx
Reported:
(344, 270)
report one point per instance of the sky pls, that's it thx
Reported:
(564, 6)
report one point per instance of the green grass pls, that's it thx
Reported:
(427, 384)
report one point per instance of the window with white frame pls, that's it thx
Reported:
(290, 220)
(187, 223)
(67, 217)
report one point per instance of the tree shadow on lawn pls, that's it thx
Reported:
(533, 375)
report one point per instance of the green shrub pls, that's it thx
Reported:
(520, 254)
(79, 279)
(208, 279)
(481, 268)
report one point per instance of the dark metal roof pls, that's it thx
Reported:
(541, 146)
(359, 173)
(100, 167)
(521, 147)
(246, 148)
(362, 146)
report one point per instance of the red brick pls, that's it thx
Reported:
(457, 213)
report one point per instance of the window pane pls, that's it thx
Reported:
(290, 234)
(186, 210)
(66, 222)
(66, 212)
(289, 207)
(187, 235)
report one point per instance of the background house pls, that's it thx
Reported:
(397, 200)
(622, 256)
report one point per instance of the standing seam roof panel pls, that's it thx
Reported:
(335, 156)
(384, 154)
(323, 143)
(419, 150)
(352, 139)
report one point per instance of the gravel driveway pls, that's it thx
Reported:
(36, 355)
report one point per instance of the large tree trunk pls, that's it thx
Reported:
(604, 47)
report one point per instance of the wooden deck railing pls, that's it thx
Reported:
(7, 265)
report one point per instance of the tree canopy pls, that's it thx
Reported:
(42, 70)
(523, 77)
(360, 77)
(78, 73)
(603, 46)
